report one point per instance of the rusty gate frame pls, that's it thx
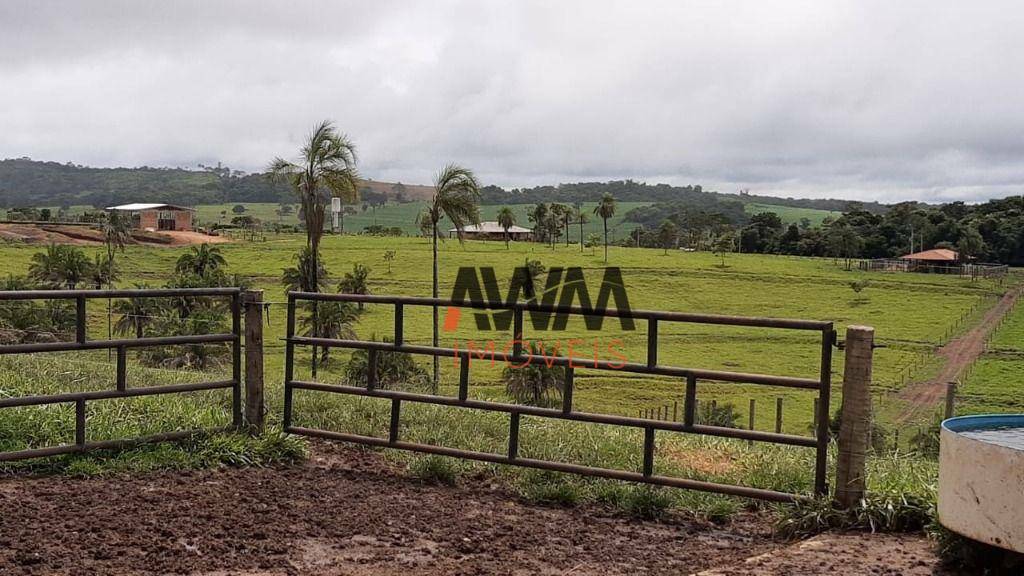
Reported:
(820, 441)
(121, 346)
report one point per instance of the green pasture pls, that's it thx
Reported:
(995, 383)
(911, 313)
(405, 215)
(792, 215)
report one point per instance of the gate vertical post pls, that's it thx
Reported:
(254, 401)
(855, 416)
(236, 359)
(821, 407)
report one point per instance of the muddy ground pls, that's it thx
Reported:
(347, 511)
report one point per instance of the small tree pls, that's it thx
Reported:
(389, 257)
(667, 234)
(356, 281)
(724, 245)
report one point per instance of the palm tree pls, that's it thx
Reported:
(457, 196)
(103, 272)
(136, 314)
(297, 279)
(581, 220)
(334, 320)
(60, 266)
(327, 168)
(506, 219)
(200, 261)
(605, 209)
(116, 233)
(45, 267)
(539, 217)
(355, 282)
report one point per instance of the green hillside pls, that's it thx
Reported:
(790, 214)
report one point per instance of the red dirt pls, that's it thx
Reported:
(345, 512)
(85, 236)
(959, 353)
(348, 512)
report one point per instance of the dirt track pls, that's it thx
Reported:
(348, 512)
(958, 354)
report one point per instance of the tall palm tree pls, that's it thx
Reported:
(605, 209)
(201, 260)
(506, 219)
(581, 220)
(457, 196)
(326, 168)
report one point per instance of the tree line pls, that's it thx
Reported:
(989, 232)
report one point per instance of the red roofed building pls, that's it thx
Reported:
(934, 256)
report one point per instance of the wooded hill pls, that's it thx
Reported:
(27, 182)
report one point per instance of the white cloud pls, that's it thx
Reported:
(874, 100)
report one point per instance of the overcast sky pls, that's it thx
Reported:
(873, 100)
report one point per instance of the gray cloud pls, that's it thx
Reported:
(873, 100)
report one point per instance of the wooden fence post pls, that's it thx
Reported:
(254, 403)
(778, 415)
(950, 399)
(750, 414)
(855, 416)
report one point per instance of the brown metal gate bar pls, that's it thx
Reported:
(691, 375)
(121, 346)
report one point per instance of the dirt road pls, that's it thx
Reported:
(347, 512)
(958, 354)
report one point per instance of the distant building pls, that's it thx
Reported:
(492, 231)
(157, 217)
(935, 256)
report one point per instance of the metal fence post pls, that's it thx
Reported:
(855, 416)
(254, 401)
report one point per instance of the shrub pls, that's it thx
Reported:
(536, 383)
(395, 370)
(723, 415)
(435, 470)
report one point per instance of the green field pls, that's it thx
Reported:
(910, 312)
(404, 216)
(995, 383)
(791, 215)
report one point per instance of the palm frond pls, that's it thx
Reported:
(457, 196)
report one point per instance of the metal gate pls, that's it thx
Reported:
(691, 376)
(121, 390)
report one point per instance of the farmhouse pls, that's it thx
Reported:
(157, 217)
(493, 231)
